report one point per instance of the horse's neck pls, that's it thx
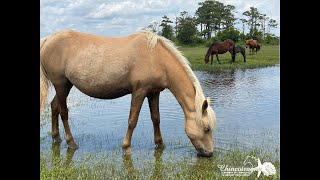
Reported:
(182, 88)
(209, 52)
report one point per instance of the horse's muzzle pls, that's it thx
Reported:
(204, 153)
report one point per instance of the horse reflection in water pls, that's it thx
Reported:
(158, 167)
(56, 155)
(194, 168)
(225, 80)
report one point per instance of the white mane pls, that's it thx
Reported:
(153, 39)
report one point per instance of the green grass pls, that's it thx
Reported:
(91, 167)
(267, 56)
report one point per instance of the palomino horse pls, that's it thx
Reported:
(242, 50)
(253, 44)
(220, 48)
(99, 68)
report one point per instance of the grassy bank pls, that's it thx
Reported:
(267, 56)
(153, 168)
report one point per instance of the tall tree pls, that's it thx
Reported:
(214, 16)
(200, 17)
(272, 24)
(167, 30)
(244, 22)
(253, 16)
(263, 18)
(186, 28)
(228, 18)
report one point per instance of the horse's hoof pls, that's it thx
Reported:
(72, 145)
(127, 151)
(57, 139)
(160, 146)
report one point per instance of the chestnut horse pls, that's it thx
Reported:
(253, 44)
(99, 68)
(220, 48)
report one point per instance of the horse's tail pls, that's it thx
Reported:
(44, 82)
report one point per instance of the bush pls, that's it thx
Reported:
(231, 33)
(211, 40)
(271, 39)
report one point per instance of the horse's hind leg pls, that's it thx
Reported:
(62, 91)
(136, 103)
(244, 56)
(155, 116)
(55, 120)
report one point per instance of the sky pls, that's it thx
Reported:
(120, 18)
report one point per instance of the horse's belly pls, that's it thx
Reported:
(106, 91)
(100, 84)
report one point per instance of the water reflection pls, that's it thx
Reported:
(157, 165)
(246, 102)
(225, 80)
(56, 155)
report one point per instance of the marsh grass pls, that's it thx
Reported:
(267, 56)
(102, 166)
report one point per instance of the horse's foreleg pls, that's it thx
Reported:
(155, 116)
(62, 94)
(55, 120)
(211, 59)
(218, 58)
(136, 103)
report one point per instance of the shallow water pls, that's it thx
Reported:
(246, 103)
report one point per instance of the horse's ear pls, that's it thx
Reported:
(205, 105)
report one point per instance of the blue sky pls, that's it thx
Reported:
(123, 17)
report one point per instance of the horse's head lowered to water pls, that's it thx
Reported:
(200, 131)
(97, 67)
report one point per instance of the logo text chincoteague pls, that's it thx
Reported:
(266, 168)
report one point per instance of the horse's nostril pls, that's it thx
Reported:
(210, 154)
(204, 153)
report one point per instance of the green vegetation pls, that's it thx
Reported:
(215, 21)
(267, 56)
(157, 167)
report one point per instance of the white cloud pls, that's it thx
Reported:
(129, 8)
(123, 17)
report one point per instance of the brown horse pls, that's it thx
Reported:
(253, 44)
(220, 48)
(99, 68)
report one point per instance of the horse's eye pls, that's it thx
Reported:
(206, 129)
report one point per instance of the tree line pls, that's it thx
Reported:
(215, 21)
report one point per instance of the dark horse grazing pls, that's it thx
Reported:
(242, 50)
(253, 45)
(220, 48)
(97, 66)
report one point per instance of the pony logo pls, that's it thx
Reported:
(267, 168)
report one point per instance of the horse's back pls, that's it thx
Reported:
(252, 43)
(98, 66)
